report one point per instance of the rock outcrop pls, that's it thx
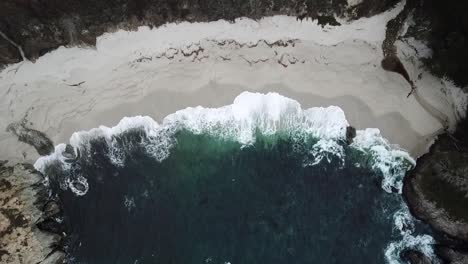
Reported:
(453, 255)
(25, 206)
(443, 26)
(415, 257)
(37, 139)
(35, 27)
(436, 191)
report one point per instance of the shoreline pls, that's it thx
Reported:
(357, 113)
(342, 70)
(212, 71)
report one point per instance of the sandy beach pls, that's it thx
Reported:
(156, 72)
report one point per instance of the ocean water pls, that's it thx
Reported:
(258, 181)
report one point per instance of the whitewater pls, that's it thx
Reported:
(253, 93)
(158, 71)
(319, 134)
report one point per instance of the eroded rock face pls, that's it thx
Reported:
(23, 198)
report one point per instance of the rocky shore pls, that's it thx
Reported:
(436, 190)
(26, 211)
(31, 28)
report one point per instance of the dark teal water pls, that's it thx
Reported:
(214, 201)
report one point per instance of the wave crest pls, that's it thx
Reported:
(319, 133)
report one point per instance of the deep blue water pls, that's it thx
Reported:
(215, 201)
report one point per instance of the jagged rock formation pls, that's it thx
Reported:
(25, 207)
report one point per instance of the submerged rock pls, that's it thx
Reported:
(69, 152)
(415, 257)
(37, 139)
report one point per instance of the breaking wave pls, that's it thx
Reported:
(318, 134)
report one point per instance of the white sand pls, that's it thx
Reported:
(126, 75)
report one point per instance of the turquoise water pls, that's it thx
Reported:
(215, 201)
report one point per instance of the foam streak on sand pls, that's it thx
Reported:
(113, 47)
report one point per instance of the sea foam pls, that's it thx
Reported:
(268, 114)
(251, 113)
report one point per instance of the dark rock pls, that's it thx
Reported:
(415, 257)
(69, 152)
(51, 208)
(436, 190)
(350, 134)
(436, 193)
(22, 202)
(392, 63)
(35, 138)
(327, 20)
(444, 26)
(8, 53)
(50, 225)
(372, 7)
(453, 255)
(41, 26)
